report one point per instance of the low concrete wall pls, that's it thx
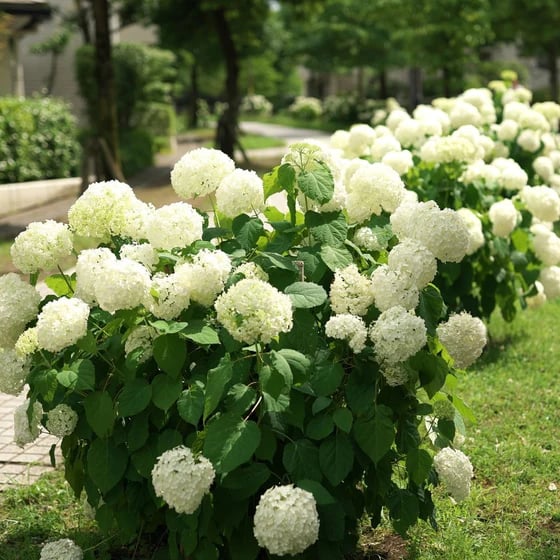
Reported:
(17, 197)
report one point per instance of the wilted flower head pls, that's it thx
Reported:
(286, 520)
(61, 420)
(455, 472)
(63, 549)
(13, 371)
(27, 430)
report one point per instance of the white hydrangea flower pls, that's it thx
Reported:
(401, 161)
(529, 140)
(27, 342)
(534, 120)
(518, 94)
(182, 479)
(366, 239)
(167, 296)
(464, 337)
(543, 167)
(360, 139)
(254, 311)
(251, 270)
(141, 337)
(123, 285)
(350, 291)
(199, 172)
(504, 217)
(104, 209)
(445, 149)
(61, 420)
(286, 521)
(455, 472)
(393, 287)
(395, 373)
(339, 139)
(410, 133)
(512, 176)
(240, 192)
(463, 113)
(549, 277)
(26, 431)
(63, 549)
(507, 130)
(412, 258)
(41, 246)
(546, 245)
(13, 371)
(513, 108)
(384, 145)
(142, 253)
(19, 304)
(174, 225)
(397, 335)
(538, 299)
(205, 276)
(474, 228)
(373, 189)
(348, 327)
(395, 117)
(61, 323)
(543, 202)
(89, 265)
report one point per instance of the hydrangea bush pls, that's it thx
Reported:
(495, 158)
(251, 382)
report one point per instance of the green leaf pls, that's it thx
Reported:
(230, 441)
(322, 496)
(190, 404)
(306, 295)
(100, 413)
(87, 343)
(301, 460)
(403, 509)
(336, 257)
(317, 184)
(106, 463)
(61, 285)
(134, 398)
(199, 332)
(336, 458)
(376, 434)
(239, 398)
(247, 231)
(431, 307)
(216, 385)
(326, 378)
(165, 391)
(137, 432)
(319, 404)
(418, 465)
(432, 371)
(170, 353)
(327, 228)
(319, 427)
(79, 377)
(168, 327)
(299, 363)
(282, 177)
(280, 365)
(245, 481)
(343, 419)
(268, 261)
(277, 403)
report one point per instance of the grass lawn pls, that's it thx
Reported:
(513, 511)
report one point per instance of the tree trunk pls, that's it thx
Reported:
(193, 101)
(415, 84)
(553, 71)
(107, 124)
(383, 89)
(446, 77)
(83, 22)
(228, 123)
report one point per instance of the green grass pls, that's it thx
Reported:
(512, 513)
(253, 142)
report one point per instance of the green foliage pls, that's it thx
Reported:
(38, 140)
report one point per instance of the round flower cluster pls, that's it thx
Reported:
(89, 268)
(27, 342)
(400, 161)
(41, 246)
(351, 292)
(174, 225)
(142, 253)
(240, 192)
(13, 371)
(141, 339)
(395, 374)
(455, 472)
(182, 479)
(546, 244)
(464, 337)
(348, 327)
(474, 229)
(397, 335)
(512, 176)
(549, 277)
(251, 270)
(168, 295)
(61, 420)
(61, 323)
(444, 149)
(27, 430)
(254, 311)
(393, 288)
(504, 217)
(286, 520)
(543, 202)
(199, 172)
(19, 304)
(365, 238)
(412, 258)
(63, 549)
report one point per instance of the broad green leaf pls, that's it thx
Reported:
(326, 378)
(61, 285)
(170, 353)
(404, 510)
(230, 441)
(280, 365)
(319, 404)
(201, 333)
(300, 364)
(322, 496)
(375, 435)
(100, 413)
(314, 266)
(134, 397)
(328, 228)
(245, 481)
(431, 307)
(168, 327)
(165, 391)
(317, 184)
(301, 460)
(278, 403)
(272, 260)
(190, 404)
(319, 427)
(80, 376)
(306, 295)
(336, 458)
(286, 176)
(137, 431)
(247, 231)
(106, 463)
(432, 371)
(216, 385)
(240, 398)
(336, 257)
(282, 177)
(418, 465)
(87, 343)
(343, 419)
